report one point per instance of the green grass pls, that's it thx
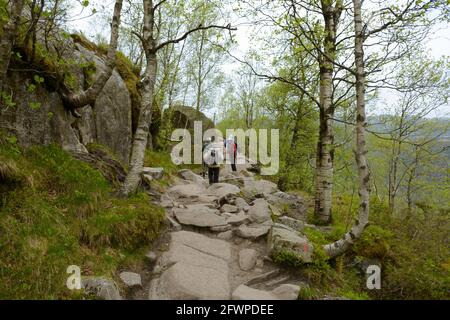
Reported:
(56, 211)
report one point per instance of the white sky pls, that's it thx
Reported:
(438, 44)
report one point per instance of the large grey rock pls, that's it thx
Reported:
(155, 173)
(199, 215)
(222, 189)
(259, 211)
(284, 240)
(193, 177)
(131, 279)
(286, 291)
(102, 288)
(252, 232)
(107, 122)
(247, 259)
(253, 187)
(196, 267)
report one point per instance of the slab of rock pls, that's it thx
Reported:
(222, 189)
(199, 215)
(191, 190)
(283, 292)
(238, 219)
(191, 176)
(196, 267)
(174, 224)
(284, 240)
(253, 187)
(131, 279)
(252, 232)
(229, 208)
(291, 222)
(155, 173)
(259, 211)
(247, 259)
(102, 288)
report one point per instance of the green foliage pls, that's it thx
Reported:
(56, 211)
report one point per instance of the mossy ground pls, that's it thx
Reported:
(56, 211)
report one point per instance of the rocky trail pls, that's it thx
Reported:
(221, 242)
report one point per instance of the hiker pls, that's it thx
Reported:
(213, 157)
(231, 145)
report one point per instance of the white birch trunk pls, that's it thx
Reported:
(341, 246)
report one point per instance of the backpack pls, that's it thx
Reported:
(213, 155)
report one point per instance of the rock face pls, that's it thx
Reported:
(107, 122)
(199, 215)
(284, 240)
(291, 222)
(196, 267)
(104, 289)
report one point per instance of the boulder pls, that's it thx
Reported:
(196, 267)
(193, 177)
(283, 240)
(222, 189)
(294, 204)
(259, 211)
(199, 215)
(106, 122)
(102, 288)
(155, 173)
(252, 232)
(253, 187)
(247, 259)
(131, 279)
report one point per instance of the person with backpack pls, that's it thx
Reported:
(213, 158)
(231, 146)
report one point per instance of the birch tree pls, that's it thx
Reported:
(151, 45)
